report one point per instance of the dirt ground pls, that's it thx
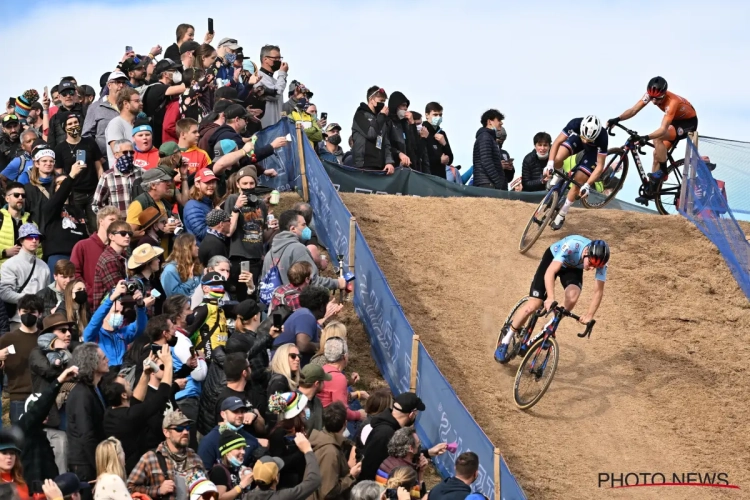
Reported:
(661, 385)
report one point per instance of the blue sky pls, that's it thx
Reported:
(538, 63)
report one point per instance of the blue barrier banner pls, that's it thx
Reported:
(284, 160)
(705, 205)
(445, 419)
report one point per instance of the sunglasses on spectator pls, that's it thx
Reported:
(8, 118)
(67, 92)
(18, 195)
(128, 152)
(293, 355)
(123, 233)
(63, 330)
(180, 428)
(34, 237)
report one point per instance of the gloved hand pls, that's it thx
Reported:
(613, 121)
(585, 190)
(640, 139)
(549, 168)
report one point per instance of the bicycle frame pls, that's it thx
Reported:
(550, 332)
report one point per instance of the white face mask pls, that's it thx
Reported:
(177, 78)
(401, 113)
(542, 157)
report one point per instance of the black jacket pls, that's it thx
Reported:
(59, 239)
(49, 297)
(435, 150)
(85, 412)
(56, 133)
(210, 246)
(215, 381)
(450, 489)
(488, 171)
(532, 170)
(36, 202)
(8, 149)
(43, 375)
(37, 457)
(367, 131)
(384, 426)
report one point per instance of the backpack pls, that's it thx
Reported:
(271, 281)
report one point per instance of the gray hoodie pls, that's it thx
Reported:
(287, 248)
(13, 274)
(98, 116)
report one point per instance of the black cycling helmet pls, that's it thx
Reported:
(657, 87)
(598, 253)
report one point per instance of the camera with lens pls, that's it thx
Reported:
(252, 199)
(132, 285)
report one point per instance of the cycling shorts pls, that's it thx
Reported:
(575, 145)
(679, 129)
(568, 276)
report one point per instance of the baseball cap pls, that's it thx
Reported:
(64, 85)
(224, 146)
(407, 402)
(168, 149)
(129, 64)
(221, 105)
(69, 484)
(155, 174)
(213, 278)
(174, 418)
(314, 373)
(229, 93)
(229, 43)
(333, 126)
(247, 309)
(235, 111)
(115, 75)
(232, 403)
(216, 216)
(266, 469)
(293, 86)
(205, 175)
(189, 46)
(166, 64)
(11, 119)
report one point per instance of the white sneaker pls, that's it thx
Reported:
(557, 223)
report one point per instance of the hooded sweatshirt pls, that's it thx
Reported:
(114, 343)
(400, 133)
(450, 489)
(334, 470)
(14, 272)
(287, 248)
(206, 130)
(384, 426)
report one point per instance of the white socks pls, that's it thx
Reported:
(508, 336)
(566, 207)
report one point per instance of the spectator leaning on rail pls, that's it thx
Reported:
(533, 163)
(372, 146)
(488, 169)
(438, 148)
(458, 486)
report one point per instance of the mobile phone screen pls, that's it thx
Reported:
(128, 48)
(277, 320)
(324, 116)
(245, 266)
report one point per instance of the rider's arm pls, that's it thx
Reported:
(596, 299)
(664, 127)
(630, 113)
(549, 278)
(598, 170)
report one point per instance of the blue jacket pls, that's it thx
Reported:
(208, 448)
(11, 171)
(114, 344)
(173, 284)
(194, 215)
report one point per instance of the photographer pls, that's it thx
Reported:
(106, 325)
(247, 229)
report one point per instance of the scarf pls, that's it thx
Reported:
(216, 233)
(179, 459)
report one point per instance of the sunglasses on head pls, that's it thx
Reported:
(293, 355)
(123, 233)
(18, 195)
(8, 118)
(180, 428)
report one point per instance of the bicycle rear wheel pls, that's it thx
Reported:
(514, 341)
(542, 216)
(612, 179)
(667, 198)
(536, 372)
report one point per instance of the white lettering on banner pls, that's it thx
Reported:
(380, 192)
(337, 187)
(362, 190)
(382, 329)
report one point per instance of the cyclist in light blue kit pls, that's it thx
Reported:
(566, 259)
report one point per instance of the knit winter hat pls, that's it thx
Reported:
(230, 440)
(216, 216)
(24, 102)
(288, 404)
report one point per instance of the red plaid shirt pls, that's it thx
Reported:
(110, 269)
(287, 295)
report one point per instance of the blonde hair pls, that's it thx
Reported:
(332, 329)
(280, 364)
(75, 312)
(108, 458)
(34, 175)
(182, 256)
(105, 212)
(403, 476)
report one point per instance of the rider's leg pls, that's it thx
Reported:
(523, 313)
(661, 145)
(563, 152)
(572, 293)
(581, 176)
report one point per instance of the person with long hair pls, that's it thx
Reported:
(144, 265)
(332, 329)
(183, 270)
(191, 103)
(40, 185)
(110, 471)
(290, 410)
(11, 470)
(75, 307)
(285, 369)
(203, 198)
(404, 477)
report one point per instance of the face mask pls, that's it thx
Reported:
(81, 297)
(190, 319)
(230, 58)
(379, 107)
(335, 139)
(276, 66)
(302, 103)
(419, 127)
(401, 113)
(28, 320)
(248, 65)
(172, 342)
(74, 131)
(177, 78)
(234, 462)
(116, 320)
(234, 428)
(436, 121)
(543, 157)
(306, 234)
(124, 163)
(216, 292)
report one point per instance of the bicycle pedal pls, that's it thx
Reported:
(642, 200)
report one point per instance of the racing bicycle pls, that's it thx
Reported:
(540, 352)
(547, 210)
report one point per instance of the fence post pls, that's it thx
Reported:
(690, 179)
(352, 241)
(414, 363)
(301, 154)
(498, 489)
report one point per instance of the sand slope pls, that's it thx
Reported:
(661, 386)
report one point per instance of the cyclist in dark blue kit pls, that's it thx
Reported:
(580, 134)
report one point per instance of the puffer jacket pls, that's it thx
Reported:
(215, 381)
(194, 215)
(488, 171)
(366, 129)
(37, 457)
(532, 170)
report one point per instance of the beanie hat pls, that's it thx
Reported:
(24, 102)
(229, 441)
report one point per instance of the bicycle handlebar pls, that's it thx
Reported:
(631, 133)
(564, 312)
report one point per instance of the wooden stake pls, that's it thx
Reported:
(301, 152)
(498, 459)
(352, 241)
(414, 363)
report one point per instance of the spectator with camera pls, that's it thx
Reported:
(107, 326)
(183, 270)
(144, 265)
(532, 168)
(270, 87)
(459, 486)
(115, 187)
(337, 478)
(372, 148)
(110, 268)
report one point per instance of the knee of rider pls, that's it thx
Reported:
(572, 293)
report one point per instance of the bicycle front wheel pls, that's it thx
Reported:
(514, 341)
(542, 216)
(535, 373)
(667, 198)
(611, 180)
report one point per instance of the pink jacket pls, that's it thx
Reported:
(337, 390)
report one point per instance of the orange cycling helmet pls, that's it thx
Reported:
(657, 87)
(598, 253)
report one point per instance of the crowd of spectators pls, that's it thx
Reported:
(143, 277)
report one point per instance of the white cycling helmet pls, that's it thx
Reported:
(590, 128)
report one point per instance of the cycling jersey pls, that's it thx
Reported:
(569, 251)
(599, 146)
(674, 106)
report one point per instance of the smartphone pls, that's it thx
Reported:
(155, 349)
(12, 101)
(277, 320)
(46, 91)
(192, 351)
(289, 137)
(323, 116)
(11, 349)
(81, 156)
(245, 266)
(210, 26)
(128, 48)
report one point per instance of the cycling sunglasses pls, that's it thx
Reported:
(9, 118)
(180, 428)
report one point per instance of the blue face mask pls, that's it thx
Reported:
(233, 427)
(306, 234)
(116, 320)
(248, 65)
(230, 58)
(436, 121)
(234, 462)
